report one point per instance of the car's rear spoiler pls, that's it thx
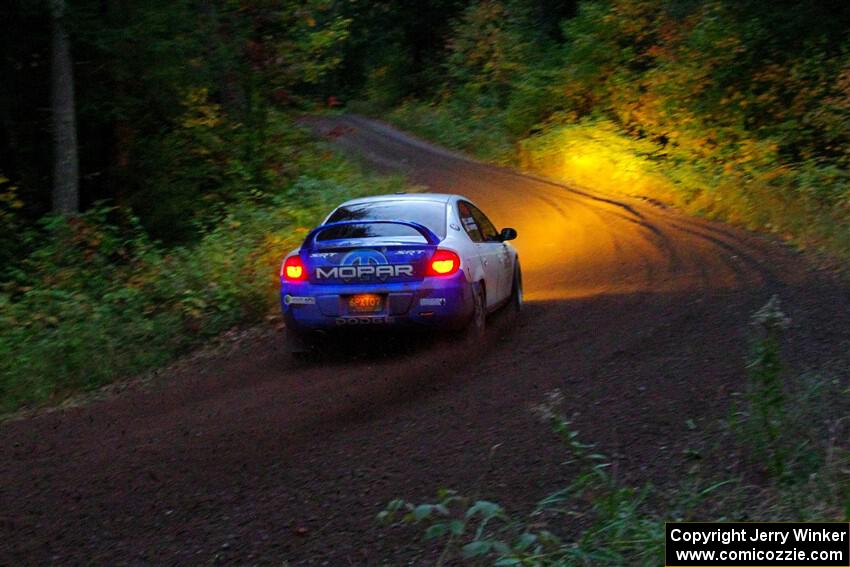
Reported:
(426, 232)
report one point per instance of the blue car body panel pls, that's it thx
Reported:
(392, 267)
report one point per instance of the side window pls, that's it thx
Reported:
(467, 220)
(488, 231)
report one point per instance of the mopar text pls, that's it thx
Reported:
(364, 272)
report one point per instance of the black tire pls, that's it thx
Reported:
(516, 299)
(298, 344)
(478, 321)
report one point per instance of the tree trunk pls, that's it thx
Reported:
(66, 195)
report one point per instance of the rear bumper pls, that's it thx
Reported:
(433, 302)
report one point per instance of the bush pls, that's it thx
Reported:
(705, 105)
(97, 299)
(455, 128)
(616, 531)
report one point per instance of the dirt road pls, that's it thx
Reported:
(638, 314)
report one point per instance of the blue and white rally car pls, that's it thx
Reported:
(427, 260)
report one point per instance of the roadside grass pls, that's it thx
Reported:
(782, 454)
(481, 132)
(801, 203)
(97, 299)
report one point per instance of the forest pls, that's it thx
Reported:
(152, 170)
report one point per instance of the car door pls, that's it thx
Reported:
(487, 252)
(497, 250)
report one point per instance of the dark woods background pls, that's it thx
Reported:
(152, 77)
(148, 74)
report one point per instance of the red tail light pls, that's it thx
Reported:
(293, 269)
(443, 263)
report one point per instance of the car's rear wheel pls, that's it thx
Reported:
(298, 344)
(515, 300)
(478, 322)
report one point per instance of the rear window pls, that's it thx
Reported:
(352, 231)
(431, 214)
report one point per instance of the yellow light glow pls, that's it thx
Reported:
(294, 272)
(443, 266)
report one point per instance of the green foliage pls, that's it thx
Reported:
(739, 110)
(789, 426)
(796, 432)
(705, 105)
(486, 54)
(766, 397)
(178, 102)
(11, 225)
(495, 86)
(185, 113)
(395, 49)
(440, 123)
(617, 530)
(215, 161)
(385, 81)
(97, 299)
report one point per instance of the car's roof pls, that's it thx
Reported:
(436, 197)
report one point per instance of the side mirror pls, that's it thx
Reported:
(507, 234)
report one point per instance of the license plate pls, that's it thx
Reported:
(365, 303)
